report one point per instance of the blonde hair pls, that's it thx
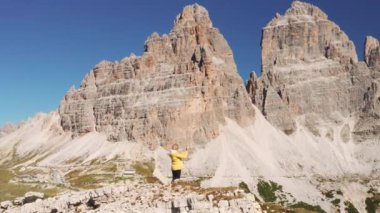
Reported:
(175, 146)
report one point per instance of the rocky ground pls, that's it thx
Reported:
(138, 196)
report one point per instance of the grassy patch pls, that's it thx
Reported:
(273, 207)
(9, 191)
(144, 168)
(88, 181)
(152, 180)
(118, 179)
(303, 205)
(350, 208)
(110, 167)
(73, 160)
(16, 159)
(244, 186)
(267, 190)
(5, 175)
(219, 193)
(85, 180)
(72, 174)
(198, 181)
(194, 185)
(29, 172)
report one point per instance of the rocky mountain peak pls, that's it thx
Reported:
(192, 15)
(192, 26)
(372, 52)
(310, 70)
(179, 91)
(299, 8)
(7, 128)
(303, 35)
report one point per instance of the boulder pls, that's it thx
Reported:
(30, 197)
(6, 204)
(18, 201)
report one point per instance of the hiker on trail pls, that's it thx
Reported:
(177, 163)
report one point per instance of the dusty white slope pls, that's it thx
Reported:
(298, 162)
(42, 141)
(239, 154)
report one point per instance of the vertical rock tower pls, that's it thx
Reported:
(179, 91)
(311, 75)
(368, 125)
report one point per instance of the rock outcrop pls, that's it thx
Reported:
(178, 91)
(311, 75)
(6, 129)
(139, 197)
(372, 52)
(368, 125)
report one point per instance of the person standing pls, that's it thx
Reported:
(177, 161)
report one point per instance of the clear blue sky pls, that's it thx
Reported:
(48, 45)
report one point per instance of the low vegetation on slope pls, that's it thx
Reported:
(350, 208)
(373, 202)
(275, 201)
(10, 190)
(267, 190)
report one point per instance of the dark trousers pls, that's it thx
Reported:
(176, 174)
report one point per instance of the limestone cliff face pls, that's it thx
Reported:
(179, 91)
(372, 52)
(311, 74)
(368, 125)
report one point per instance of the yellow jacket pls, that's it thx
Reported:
(177, 158)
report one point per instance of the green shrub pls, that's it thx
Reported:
(306, 206)
(336, 202)
(267, 190)
(350, 208)
(288, 131)
(372, 191)
(244, 186)
(329, 194)
(372, 204)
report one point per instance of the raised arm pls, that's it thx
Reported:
(182, 155)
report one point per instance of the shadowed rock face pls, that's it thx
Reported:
(368, 125)
(178, 91)
(310, 72)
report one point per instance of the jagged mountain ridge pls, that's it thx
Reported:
(236, 142)
(178, 91)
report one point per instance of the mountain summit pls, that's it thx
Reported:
(179, 91)
(311, 77)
